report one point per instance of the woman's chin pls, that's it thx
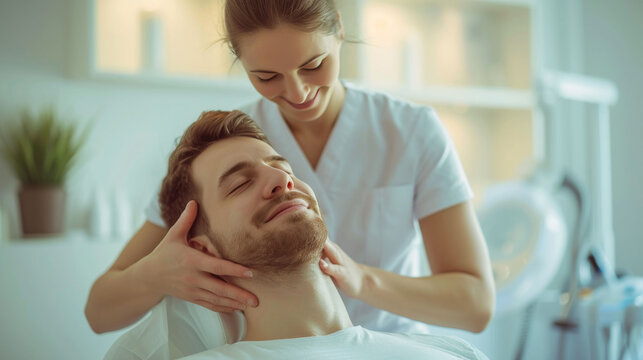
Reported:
(293, 115)
(313, 113)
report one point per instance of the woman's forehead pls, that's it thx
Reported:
(284, 47)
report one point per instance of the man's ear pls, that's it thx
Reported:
(203, 244)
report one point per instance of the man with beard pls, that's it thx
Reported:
(253, 211)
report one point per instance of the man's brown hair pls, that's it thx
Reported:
(178, 187)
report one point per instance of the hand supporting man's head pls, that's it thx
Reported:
(255, 211)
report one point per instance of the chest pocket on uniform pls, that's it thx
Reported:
(391, 222)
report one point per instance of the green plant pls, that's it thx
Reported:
(42, 149)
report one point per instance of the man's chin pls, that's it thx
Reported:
(293, 241)
(292, 218)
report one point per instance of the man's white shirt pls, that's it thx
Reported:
(352, 343)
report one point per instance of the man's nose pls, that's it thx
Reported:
(279, 182)
(295, 90)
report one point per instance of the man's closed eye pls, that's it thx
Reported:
(240, 187)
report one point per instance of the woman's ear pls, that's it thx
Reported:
(341, 26)
(203, 244)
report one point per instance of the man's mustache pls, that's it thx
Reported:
(260, 216)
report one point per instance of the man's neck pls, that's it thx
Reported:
(302, 304)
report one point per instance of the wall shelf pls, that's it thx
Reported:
(470, 3)
(236, 84)
(483, 97)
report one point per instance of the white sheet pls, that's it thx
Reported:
(353, 343)
(176, 328)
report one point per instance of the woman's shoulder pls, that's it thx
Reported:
(392, 113)
(387, 106)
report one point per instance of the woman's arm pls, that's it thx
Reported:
(158, 262)
(117, 298)
(460, 292)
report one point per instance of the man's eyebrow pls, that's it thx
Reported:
(302, 65)
(274, 158)
(246, 164)
(236, 168)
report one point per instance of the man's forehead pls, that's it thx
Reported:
(225, 153)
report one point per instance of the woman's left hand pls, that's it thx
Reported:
(347, 275)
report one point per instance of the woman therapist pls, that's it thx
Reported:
(378, 166)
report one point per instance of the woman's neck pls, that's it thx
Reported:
(312, 136)
(295, 305)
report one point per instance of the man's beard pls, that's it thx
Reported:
(297, 241)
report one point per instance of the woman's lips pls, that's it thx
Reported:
(306, 104)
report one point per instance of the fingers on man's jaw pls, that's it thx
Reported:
(215, 289)
(200, 238)
(248, 300)
(215, 308)
(331, 253)
(189, 208)
(186, 219)
(238, 295)
(229, 268)
(225, 309)
(232, 304)
(218, 266)
(214, 265)
(326, 267)
(234, 269)
(221, 301)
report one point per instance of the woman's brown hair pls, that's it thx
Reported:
(247, 16)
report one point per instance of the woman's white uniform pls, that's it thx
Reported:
(386, 164)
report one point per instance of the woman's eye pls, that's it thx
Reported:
(315, 68)
(267, 79)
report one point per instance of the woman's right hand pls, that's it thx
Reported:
(174, 268)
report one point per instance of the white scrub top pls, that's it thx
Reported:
(386, 164)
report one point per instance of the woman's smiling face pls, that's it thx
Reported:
(296, 70)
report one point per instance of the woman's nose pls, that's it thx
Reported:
(279, 182)
(296, 91)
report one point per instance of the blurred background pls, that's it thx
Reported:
(533, 93)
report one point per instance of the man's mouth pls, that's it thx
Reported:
(287, 207)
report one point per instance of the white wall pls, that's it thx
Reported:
(613, 49)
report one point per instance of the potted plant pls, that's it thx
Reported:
(41, 150)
